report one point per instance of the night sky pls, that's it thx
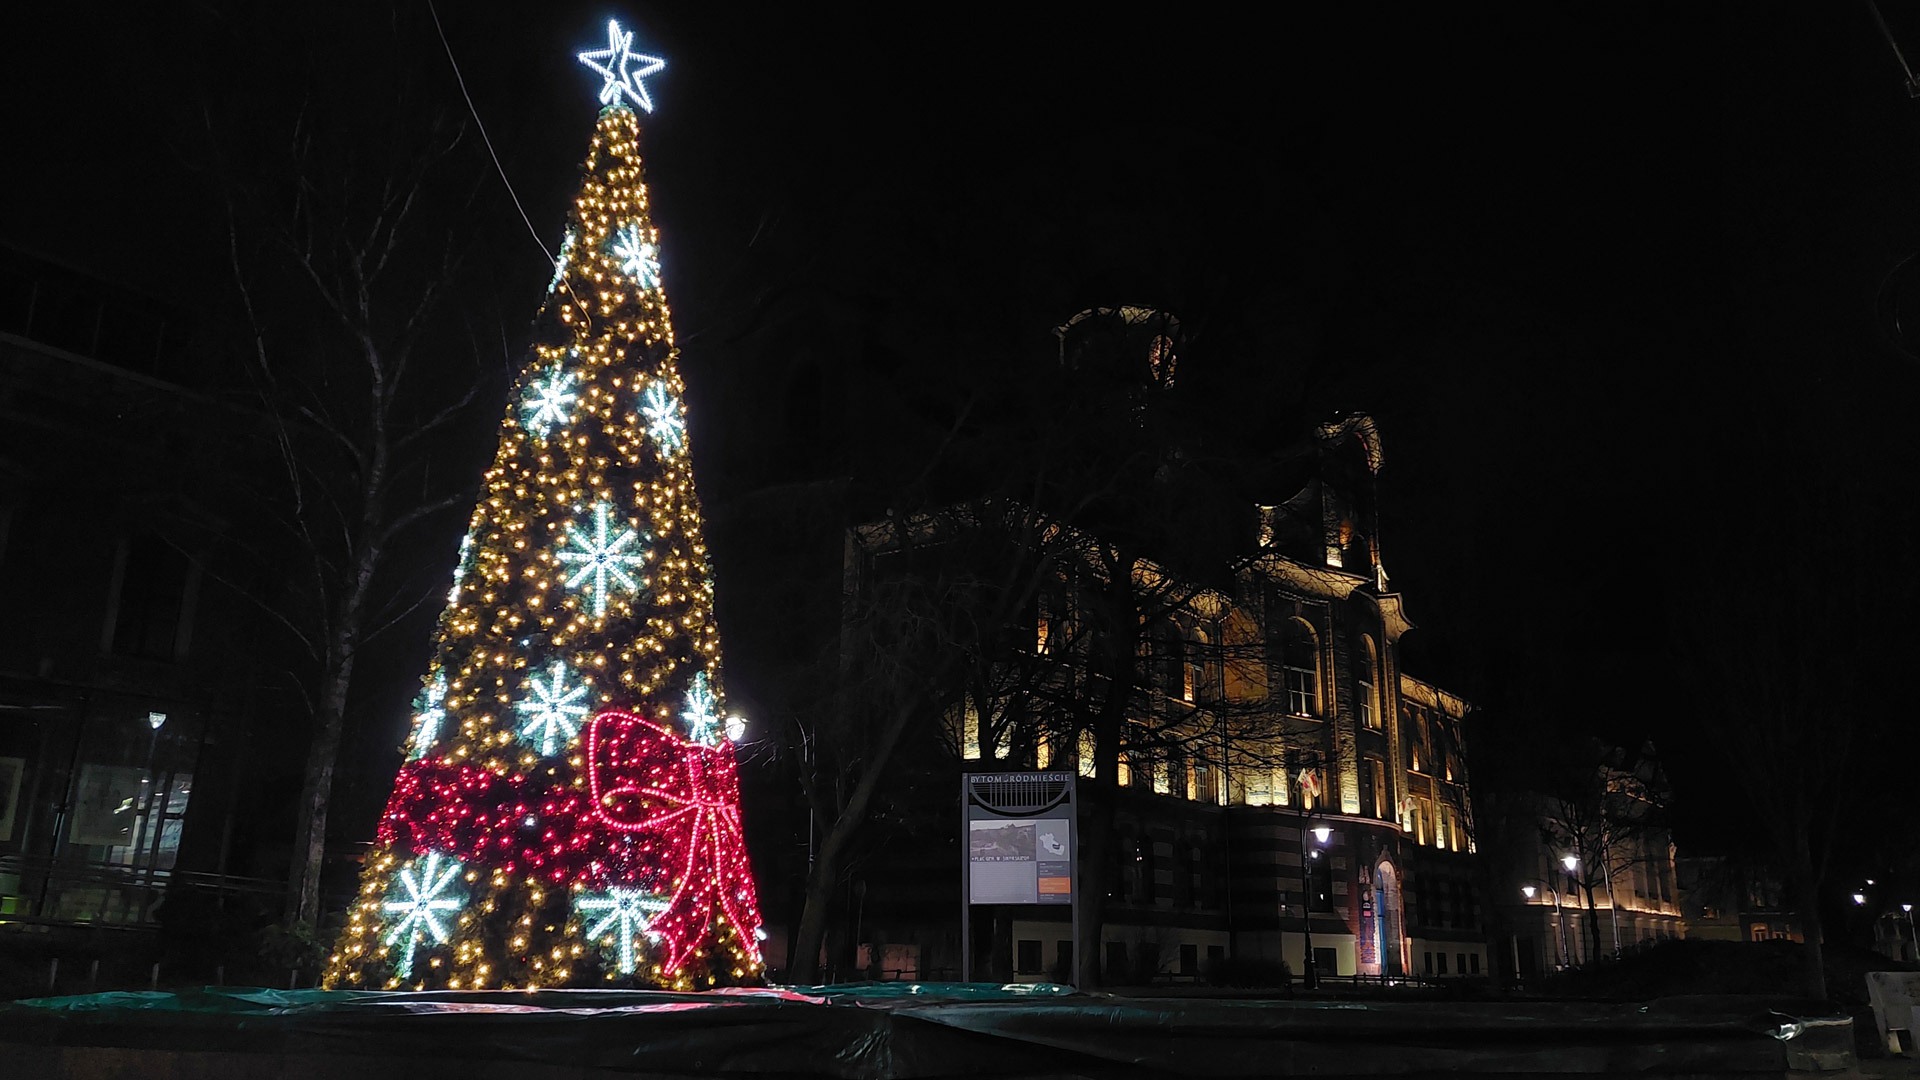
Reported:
(1598, 268)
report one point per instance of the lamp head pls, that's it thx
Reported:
(1860, 898)
(1321, 833)
(1528, 891)
(155, 719)
(1570, 861)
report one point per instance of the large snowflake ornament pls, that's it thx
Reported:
(702, 714)
(550, 402)
(637, 256)
(460, 569)
(664, 422)
(601, 559)
(433, 713)
(560, 264)
(630, 912)
(554, 712)
(425, 895)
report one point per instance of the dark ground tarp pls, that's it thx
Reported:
(890, 1030)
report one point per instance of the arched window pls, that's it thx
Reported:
(1194, 683)
(1166, 657)
(1300, 668)
(1242, 660)
(1365, 694)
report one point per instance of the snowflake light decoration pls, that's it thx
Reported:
(426, 887)
(602, 559)
(662, 411)
(632, 910)
(560, 264)
(623, 69)
(554, 711)
(460, 568)
(548, 403)
(426, 723)
(638, 257)
(702, 715)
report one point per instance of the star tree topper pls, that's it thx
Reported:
(622, 68)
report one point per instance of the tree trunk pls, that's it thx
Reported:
(316, 791)
(1804, 886)
(803, 952)
(1096, 838)
(803, 958)
(330, 713)
(1593, 923)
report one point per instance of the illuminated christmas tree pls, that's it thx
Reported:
(568, 810)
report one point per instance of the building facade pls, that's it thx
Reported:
(1584, 869)
(1267, 782)
(127, 672)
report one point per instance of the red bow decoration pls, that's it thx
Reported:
(646, 780)
(660, 813)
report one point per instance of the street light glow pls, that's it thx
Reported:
(1570, 861)
(1528, 891)
(155, 719)
(1322, 832)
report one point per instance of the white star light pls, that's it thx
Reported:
(420, 910)
(663, 419)
(553, 713)
(426, 724)
(701, 715)
(639, 258)
(601, 557)
(547, 403)
(632, 909)
(623, 68)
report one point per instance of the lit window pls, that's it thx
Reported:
(1300, 666)
(1363, 687)
(1085, 749)
(965, 720)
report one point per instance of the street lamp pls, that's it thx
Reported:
(1530, 892)
(1310, 972)
(1908, 908)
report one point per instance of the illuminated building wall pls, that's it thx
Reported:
(1269, 702)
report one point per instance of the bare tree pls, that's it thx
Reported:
(1604, 809)
(341, 261)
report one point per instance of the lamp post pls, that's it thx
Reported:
(1559, 923)
(1908, 908)
(1310, 971)
(1571, 862)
